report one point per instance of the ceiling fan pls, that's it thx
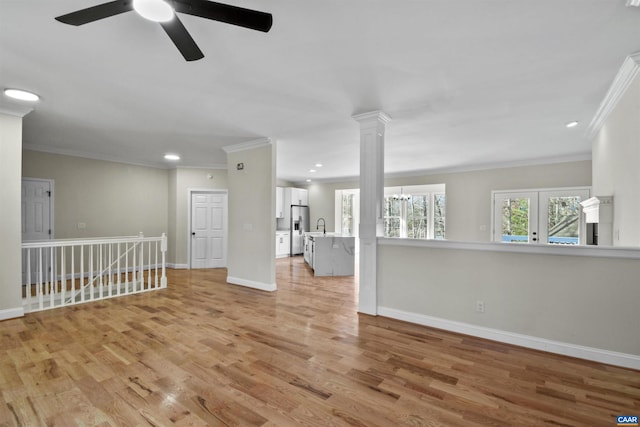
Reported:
(164, 12)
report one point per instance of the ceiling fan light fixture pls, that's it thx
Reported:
(22, 95)
(154, 10)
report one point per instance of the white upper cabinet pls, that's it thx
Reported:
(290, 196)
(299, 196)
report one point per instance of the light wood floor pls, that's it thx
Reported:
(207, 353)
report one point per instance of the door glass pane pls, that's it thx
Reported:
(563, 220)
(515, 220)
(438, 216)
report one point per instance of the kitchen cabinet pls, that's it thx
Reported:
(308, 250)
(291, 196)
(282, 244)
(279, 202)
(299, 196)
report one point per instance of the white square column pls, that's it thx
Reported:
(372, 128)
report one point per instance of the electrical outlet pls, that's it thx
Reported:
(480, 306)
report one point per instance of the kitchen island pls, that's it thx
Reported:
(330, 254)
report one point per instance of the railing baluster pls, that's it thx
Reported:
(149, 265)
(82, 288)
(126, 270)
(118, 270)
(73, 276)
(63, 280)
(140, 266)
(40, 294)
(99, 274)
(110, 281)
(28, 284)
(52, 279)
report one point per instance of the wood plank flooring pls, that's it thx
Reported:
(205, 353)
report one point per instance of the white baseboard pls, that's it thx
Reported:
(11, 313)
(252, 284)
(178, 266)
(589, 353)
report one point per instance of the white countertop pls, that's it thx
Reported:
(316, 234)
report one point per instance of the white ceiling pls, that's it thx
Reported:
(466, 82)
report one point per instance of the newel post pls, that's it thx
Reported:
(163, 249)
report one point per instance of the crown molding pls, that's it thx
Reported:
(113, 159)
(87, 155)
(249, 145)
(540, 161)
(623, 79)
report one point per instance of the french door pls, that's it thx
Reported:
(552, 216)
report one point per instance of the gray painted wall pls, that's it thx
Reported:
(112, 199)
(10, 217)
(586, 301)
(251, 247)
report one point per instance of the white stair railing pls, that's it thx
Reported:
(58, 273)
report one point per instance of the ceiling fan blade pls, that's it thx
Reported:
(182, 39)
(247, 18)
(90, 14)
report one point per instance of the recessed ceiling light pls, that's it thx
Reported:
(154, 10)
(308, 180)
(318, 165)
(22, 95)
(572, 124)
(171, 157)
(312, 170)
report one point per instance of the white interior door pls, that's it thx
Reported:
(37, 225)
(208, 230)
(36, 210)
(516, 217)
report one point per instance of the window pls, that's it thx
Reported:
(347, 214)
(412, 212)
(415, 212)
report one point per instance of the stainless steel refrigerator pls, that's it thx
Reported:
(299, 224)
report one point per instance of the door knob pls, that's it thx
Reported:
(193, 233)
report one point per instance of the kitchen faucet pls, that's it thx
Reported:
(324, 228)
